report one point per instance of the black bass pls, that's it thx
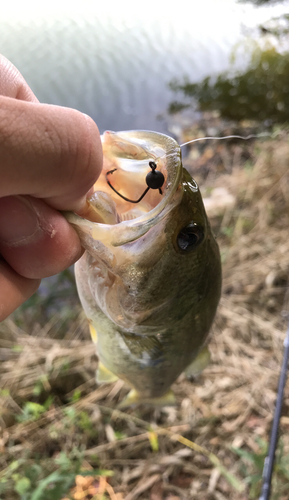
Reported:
(150, 279)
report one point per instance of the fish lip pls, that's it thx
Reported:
(128, 231)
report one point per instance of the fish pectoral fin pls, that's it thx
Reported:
(134, 397)
(138, 344)
(104, 376)
(199, 363)
(93, 332)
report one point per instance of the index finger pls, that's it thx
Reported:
(47, 152)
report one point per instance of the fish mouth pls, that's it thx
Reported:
(128, 200)
(128, 169)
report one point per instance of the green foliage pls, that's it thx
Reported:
(70, 412)
(22, 485)
(39, 385)
(4, 393)
(17, 348)
(84, 423)
(49, 479)
(80, 419)
(251, 468)
(153, 439)
(33, 411)
(120, 435)
(260, 93)
(76, 396)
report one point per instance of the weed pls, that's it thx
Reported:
(33, 411)
(251, 468)
(45, 479)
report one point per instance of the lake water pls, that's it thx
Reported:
(115, 63)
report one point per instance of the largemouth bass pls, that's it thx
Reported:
(150, 278)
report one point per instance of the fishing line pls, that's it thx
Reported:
(211, 138)
(245, 138)
(155, 179)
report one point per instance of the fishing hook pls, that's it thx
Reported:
(154, 180)
(270, 459)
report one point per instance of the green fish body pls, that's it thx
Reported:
(150, 278)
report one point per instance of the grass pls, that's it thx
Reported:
(60, 435)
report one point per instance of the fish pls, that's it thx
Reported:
(150, 278)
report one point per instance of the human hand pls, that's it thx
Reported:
(50, 157)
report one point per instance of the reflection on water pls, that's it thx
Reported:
(260, 93)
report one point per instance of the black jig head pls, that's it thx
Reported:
(154, 179)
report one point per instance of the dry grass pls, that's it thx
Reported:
(229, 406)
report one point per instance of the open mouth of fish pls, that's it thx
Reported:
(139, 184)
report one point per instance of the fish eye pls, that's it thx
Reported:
(190, 237)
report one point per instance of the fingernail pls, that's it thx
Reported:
(18, 221)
